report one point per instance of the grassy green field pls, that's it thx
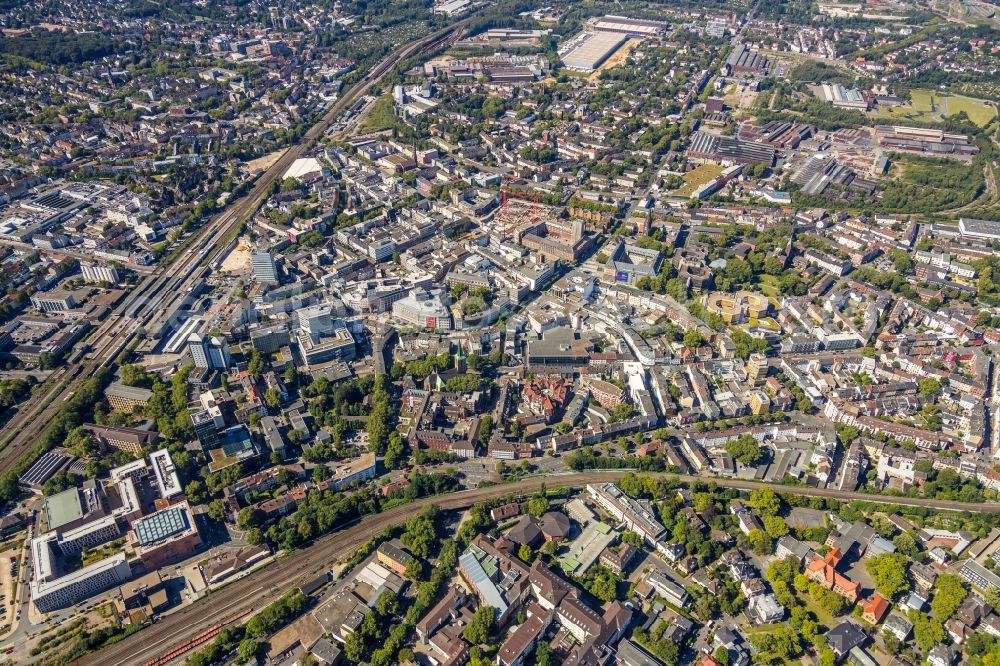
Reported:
(695, 179)
(980, 113)
(769, 285)
(927, 105)
(381, 116)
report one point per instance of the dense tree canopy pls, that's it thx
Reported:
(745, 449)
(889, 573)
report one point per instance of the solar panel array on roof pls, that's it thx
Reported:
(53, 200)
(480, 580)
(44, 468)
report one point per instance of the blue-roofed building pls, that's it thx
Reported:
(481, 582)
(496, 575)
(166, 536)
(880, 545)
(916, 601)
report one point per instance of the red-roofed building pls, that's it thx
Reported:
(390, 488)
(649, 448)
(545, 397)
(824, 571)
(874, 609)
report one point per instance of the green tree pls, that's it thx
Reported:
(272, 398)
(414, 569)
(623, 411)
(395, 452)
(927, 631)
(537, 505)
(543, 655)
(248, 649)
(906, 544)
(783, 570)
(692, 338)
(603, 586)
(889, 573)
(949, 593)
(777, 645)
(387, 604)
(255, 368)
(195, 491)
(81, 443)
(134, 375)
(901, 260)
(420, 533)
(320, 473)
(759, 542)
(929, 387)
(828, 600)
(59, 482)
(354, 648)
(745, 449)
(485, 430)
(248, 517)
(217, 510)
(775, 527)
(480, 626)
(765, 501)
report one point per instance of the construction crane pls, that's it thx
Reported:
(512, 215)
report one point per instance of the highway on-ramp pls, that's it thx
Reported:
(264, 585)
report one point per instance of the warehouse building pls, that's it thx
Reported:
(971, 228)
(728, 150)
(744, 60)
(632, 27)
(846, 98)
(588, 50)
(925, 140)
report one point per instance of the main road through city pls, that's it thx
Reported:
(157, 291)
(264, 585)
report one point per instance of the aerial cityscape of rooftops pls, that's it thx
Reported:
(444, 332)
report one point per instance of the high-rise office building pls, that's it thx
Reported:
(209, 353)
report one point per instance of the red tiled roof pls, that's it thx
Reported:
(877, 607)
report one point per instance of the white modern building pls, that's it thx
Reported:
(322, 337)
(50, 592)
(424, 308)
(97, 273)
(631, 512)
(209, 353)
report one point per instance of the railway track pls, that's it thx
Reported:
(259, 588)
(159, 289)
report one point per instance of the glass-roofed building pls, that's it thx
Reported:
(166, 536)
